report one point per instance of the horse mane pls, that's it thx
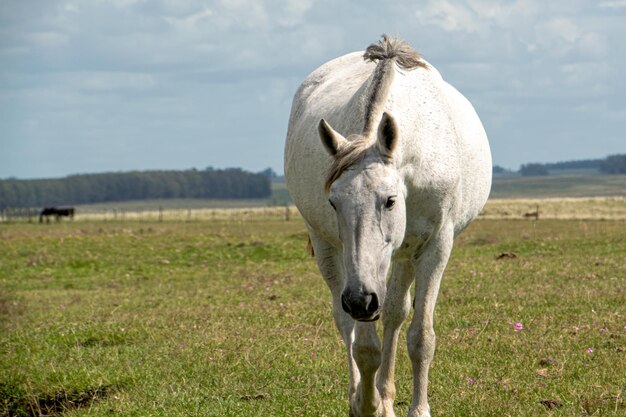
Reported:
(386, 52)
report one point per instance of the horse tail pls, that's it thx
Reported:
(309, 248)
(396, 49)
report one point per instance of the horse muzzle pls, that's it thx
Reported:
(361, 306)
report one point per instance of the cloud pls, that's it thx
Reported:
(48, 39)
(474, 16)
(218, 76)
(621, 4)
(450, 16)
(190, 21)
(522, 46)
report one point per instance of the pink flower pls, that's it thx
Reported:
(313, 355)
(518, 327)
(470, 380)
(590, 350)
(603, 330)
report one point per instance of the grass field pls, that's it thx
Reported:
(582, 208)
(573, 195)
(229, 317)
(559, 185)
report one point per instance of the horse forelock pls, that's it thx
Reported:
(350, 155)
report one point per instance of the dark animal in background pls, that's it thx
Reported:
(534, 214)
(56, 212)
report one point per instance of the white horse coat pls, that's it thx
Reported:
(387, 163)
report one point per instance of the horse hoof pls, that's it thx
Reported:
(388, 409)
(381, 412)
(420, 413)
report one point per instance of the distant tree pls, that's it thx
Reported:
(230, 183)
(578, 164)
(533, 170)
(497, 169)
(268, 173)
(614, 164)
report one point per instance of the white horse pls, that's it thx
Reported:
(404, 168)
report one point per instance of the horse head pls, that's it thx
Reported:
(368, 195)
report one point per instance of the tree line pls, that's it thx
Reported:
(232, 183)
(612, 164)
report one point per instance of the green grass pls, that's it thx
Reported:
(231, 318)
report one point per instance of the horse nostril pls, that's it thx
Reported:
(371, 305)
(344, 304)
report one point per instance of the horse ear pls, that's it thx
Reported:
(331, 140)
(387, 135)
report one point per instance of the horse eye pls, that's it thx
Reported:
(332, 205)
(390, 203)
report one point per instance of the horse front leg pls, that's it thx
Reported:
(395, 311)
(421, 334)
(331, 267)
(367, 355)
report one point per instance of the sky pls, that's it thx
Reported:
(119, 85)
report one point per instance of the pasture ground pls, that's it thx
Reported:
(582, 208)
(563, 184)
(229, 317)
